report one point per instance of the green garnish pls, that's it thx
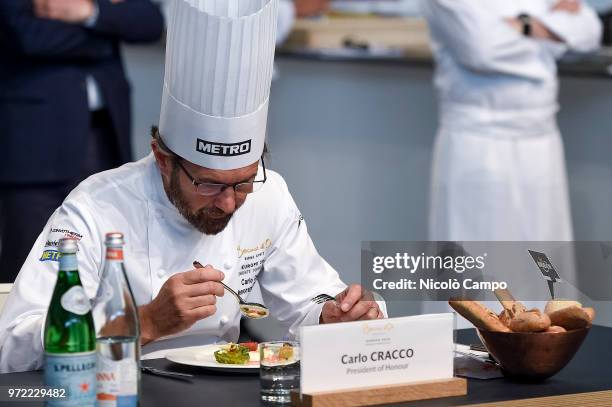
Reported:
(233, 354)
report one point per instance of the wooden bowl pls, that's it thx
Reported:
(533, 356)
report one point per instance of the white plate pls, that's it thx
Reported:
(203, 356)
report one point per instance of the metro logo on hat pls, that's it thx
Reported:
(219, 62)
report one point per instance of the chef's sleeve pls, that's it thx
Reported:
(294, 272)
(23, 318)
(24, 33)
(478, 39)
(581, 31)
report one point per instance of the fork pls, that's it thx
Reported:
(321, 298)
(166, 373)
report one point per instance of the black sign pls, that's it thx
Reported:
(223, 149)
(547, 269)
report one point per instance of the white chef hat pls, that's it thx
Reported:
(219, 63)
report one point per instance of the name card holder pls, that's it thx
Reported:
(366, 363)
(371, 396)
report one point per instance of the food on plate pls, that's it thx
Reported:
(479, 315)
(530, 321)
(232, 354)
(251, 346)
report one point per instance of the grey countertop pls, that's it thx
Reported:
(598, 65)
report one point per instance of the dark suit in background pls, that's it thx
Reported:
(49, 137)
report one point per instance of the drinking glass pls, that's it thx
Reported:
(279, 371)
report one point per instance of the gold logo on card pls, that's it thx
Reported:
(369, 328)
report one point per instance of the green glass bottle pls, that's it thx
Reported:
(70, 337)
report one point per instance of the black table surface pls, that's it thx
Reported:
(590, 370)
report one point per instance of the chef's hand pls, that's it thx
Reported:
(68, 11)
(569, 6)
(184, 299)
(352, 304)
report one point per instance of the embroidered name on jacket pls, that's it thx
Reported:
(223, 149)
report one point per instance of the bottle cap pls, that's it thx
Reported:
(68, 245)
(114, 239)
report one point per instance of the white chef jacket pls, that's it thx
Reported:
(482, 62)
(266, 239)
(498, 169)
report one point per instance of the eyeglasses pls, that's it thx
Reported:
(212, 189)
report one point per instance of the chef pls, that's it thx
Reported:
(203, 195)
(498, 167)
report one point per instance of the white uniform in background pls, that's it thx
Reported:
(266, 240)
(498, 168)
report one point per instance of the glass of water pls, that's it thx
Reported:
(279, 371)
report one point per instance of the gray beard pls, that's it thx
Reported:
(206, 220)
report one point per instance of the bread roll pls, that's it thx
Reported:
(505, 317)
(591, 313)
(556, 329)
(510, 305)
(556, 305)
(479, 315)
(530, 321)
(571, 318)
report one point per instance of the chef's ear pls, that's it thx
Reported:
(164, 159)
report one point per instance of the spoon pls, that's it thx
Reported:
(251, 310)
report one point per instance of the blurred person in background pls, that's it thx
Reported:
(288, 10)
(498, 163)
(310, 8)
(64, 105)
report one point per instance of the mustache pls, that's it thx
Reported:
(214, 213)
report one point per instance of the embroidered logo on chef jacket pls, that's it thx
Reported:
(251, 260)
(223, 149)
(50, 253)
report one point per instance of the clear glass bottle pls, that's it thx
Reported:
(70, 337)
(118, 335)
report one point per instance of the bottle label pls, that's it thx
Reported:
(117, 382)
(75, 300)
(68, 262)
(74, 372)
(114, 254)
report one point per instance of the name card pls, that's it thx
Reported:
(373, 353)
